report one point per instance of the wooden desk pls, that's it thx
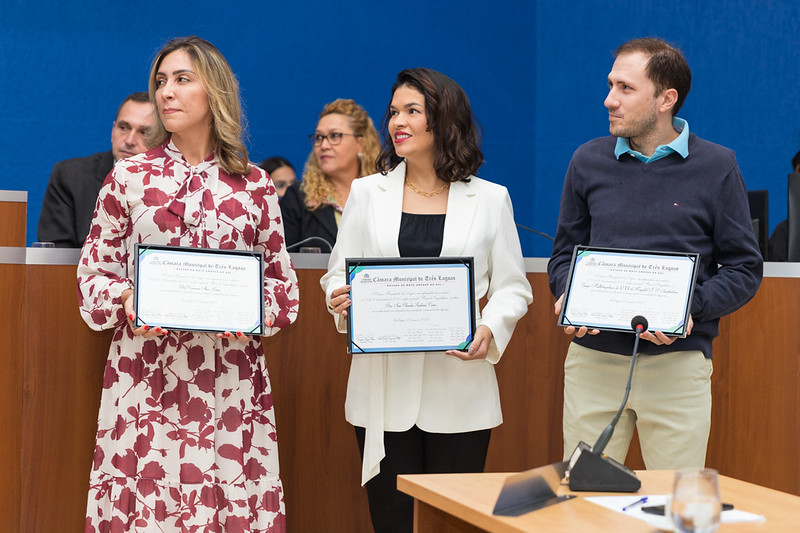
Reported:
(463, 503)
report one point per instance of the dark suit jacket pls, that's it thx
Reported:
(299, 222)
(70, 199)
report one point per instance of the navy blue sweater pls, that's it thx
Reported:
(698, 204)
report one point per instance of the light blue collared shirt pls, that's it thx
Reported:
(680, 144)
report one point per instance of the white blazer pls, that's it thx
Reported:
(437, 392)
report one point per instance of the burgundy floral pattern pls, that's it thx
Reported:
(186, 432)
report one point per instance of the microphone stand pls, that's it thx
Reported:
(537, 232)
(589, 468)
(307, 240)
(605, 436)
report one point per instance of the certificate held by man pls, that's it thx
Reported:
(410, 305)
(607, 287)
(198, 289)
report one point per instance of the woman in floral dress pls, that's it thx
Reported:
(186, 432)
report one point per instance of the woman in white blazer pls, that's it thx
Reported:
(428, 412)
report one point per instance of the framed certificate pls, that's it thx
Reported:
(607, 287)
(198, 289)
(410, 304)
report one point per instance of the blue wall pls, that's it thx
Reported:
(535, 73)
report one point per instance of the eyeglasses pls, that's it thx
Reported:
(334, 137)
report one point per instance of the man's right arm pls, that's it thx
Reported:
(574, 224)
(57, 218)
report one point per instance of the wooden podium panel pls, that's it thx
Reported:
(64, 362)
(320, 466)
(11, 316)
(755, 426)
(54, 365)
(531, 380)
(13, 208)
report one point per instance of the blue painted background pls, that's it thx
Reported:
(535, 73)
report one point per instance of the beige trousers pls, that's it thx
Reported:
(669, 403)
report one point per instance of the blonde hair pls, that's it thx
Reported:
(316, 186)
(222, 91)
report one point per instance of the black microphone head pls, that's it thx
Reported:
(638, 321)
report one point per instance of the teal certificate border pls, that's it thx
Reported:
(355, 266)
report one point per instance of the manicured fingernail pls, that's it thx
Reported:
(130, 316)
(146, 327)
(158, 330)
(227, 333)
(239, 333)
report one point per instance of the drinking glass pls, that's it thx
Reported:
(695, 501)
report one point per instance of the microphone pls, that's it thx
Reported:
(639, 325)
(526, 228)
(318, 240)
(589, 468)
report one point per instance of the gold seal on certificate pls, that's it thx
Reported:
(199, 289)
(607, 287)
(410, 304)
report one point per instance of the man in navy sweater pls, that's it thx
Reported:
(652, 185)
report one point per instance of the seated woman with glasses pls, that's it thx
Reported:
(345, 147)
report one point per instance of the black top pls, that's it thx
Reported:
(300, 222)
(421, 235)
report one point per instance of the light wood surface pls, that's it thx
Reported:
(463, 502)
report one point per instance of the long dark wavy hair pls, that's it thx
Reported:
(456, 133)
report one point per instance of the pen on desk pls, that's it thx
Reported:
(640, 501)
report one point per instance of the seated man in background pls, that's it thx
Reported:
(71, 194)
(779, 240)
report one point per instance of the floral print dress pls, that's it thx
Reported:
(186, 431)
